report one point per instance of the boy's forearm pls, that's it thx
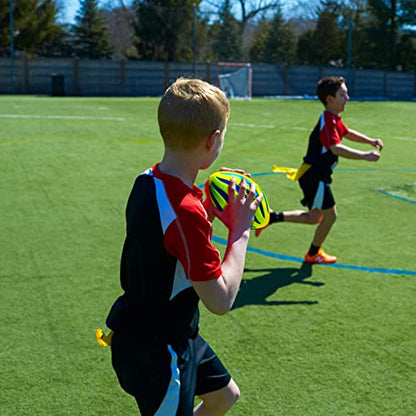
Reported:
(350, 153)
(233, 264)
(218, 295)
(356, 136)
(347, 152)
(362, 138)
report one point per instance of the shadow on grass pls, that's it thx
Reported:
(256, 291)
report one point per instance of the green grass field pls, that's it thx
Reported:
(301, 341)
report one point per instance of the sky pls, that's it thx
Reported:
(70, 7)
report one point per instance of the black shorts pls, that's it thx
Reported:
(317, 193)
(164, 379)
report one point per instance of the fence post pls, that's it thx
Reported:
(284, 79)
(123, 76)
(26, 74)
(166, 73)
(414, 84)
(353, 81)
(208, 68)
(76, 75)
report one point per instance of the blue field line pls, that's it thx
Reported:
(266, 173)
(397, 197)
(336, 265)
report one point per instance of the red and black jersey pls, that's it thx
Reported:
(328, 131)
(168, 244)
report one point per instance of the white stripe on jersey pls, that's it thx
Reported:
(322, 125)
(167, 213)
(180, 282)
(170, 403)
(319, 196)
(167, 216)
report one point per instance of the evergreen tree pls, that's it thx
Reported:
(326, 45)
(407, 12)
(35, 26)
(386, 29)
(304, 52)
(407, 52)
(379, 35)
(227, 36)
(257, 48)
(91, 33)
(164, 29)
(329, 40)
(280, 43)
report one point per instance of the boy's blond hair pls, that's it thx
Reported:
(190, 110)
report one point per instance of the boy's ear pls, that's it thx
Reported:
(212, 138)
(329, 99)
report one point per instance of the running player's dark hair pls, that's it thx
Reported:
(328, 86)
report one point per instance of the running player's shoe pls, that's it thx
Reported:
(320, 257)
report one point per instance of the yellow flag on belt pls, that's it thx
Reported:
(103, 339)
(292, 173)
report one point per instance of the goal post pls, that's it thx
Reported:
(235, 79)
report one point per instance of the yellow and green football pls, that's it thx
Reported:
(218, 193)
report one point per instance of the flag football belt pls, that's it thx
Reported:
(103, 339)
(292, 173)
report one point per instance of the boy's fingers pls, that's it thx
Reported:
(251, 194)
(231, 189)
(242, 190)
(259, 199)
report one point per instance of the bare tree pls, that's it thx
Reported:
(120, 21)
(244, 10)
(301, 9)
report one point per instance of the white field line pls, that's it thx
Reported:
(405, 139)
(92, 118)
(46, 117)
(252, 125)
(266, 126)
(297, 128)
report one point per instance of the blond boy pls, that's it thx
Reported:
(168, 264)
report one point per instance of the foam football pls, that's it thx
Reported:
(218, 193)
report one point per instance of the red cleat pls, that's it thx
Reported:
(320, 257)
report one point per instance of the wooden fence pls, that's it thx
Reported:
(83, 77)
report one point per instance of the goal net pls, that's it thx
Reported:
(235, 79)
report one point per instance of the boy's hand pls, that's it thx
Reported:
(378, 143)
(238, 215)
(209, 207)
(372, 156)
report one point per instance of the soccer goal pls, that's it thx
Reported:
(235, 79)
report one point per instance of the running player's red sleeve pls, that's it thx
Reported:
(344, 130)
(332, 131)
(188, 239)
(329, 134)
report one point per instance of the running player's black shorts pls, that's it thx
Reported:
(164, 379)
(317, 193)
